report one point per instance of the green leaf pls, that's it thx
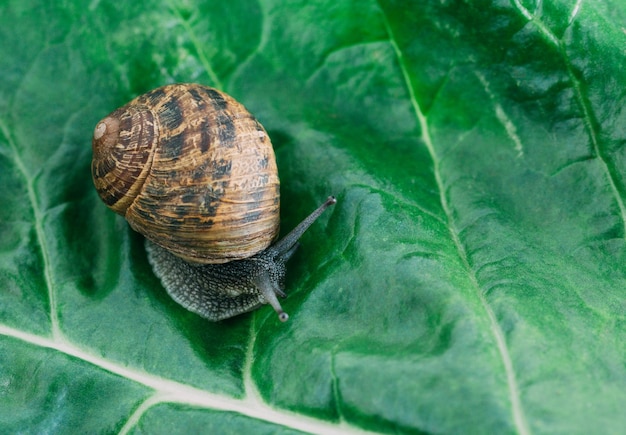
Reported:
(470, 278)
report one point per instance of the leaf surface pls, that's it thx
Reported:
(470, 278)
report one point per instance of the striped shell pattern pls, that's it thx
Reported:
(192, 170)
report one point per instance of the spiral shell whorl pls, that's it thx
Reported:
(122, 153)
(192, 170)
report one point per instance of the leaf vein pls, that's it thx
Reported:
(134, 418)
(575, 11)
(502, 116)
(38, 217)
(585, 106)
(514, 394)
(197, 46)
(168, 391)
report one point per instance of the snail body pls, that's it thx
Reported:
(194, 172)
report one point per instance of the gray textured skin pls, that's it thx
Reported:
(220, 291)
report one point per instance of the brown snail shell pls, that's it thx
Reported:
(192, 170)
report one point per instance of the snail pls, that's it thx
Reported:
(195, 173)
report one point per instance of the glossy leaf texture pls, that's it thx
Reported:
(470, 279)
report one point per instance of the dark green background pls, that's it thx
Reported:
(470, 278)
